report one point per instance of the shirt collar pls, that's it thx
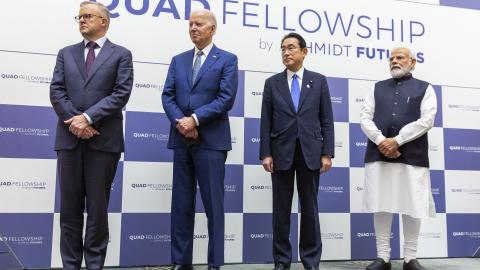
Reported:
(100, 42)
(205, 50)
(299, 73)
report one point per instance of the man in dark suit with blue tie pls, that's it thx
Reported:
(91, 84)
(296, 137)
(199, 91)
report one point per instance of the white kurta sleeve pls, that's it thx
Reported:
(428, 109)
(366, 119)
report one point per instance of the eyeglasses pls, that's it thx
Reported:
(288, 49)
(86, 17)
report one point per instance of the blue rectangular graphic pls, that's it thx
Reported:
(146, 137)
(358, 145)
(334, 192)
(463, 234)
(470, 4)
(339, 95)
(31, 243)
(27, 131)
(258, 237)
(145, 239)
(363, 237)
(438, 122)
(438, 189)
(238, 107)
(462, 149)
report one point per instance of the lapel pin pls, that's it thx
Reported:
(214, 56)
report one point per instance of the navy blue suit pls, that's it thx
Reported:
(296, 141)
(210, 97)
(86, 168)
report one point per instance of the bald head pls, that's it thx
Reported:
(202, 27)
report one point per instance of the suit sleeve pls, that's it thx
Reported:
(326, 120)
(120, 94)
(225, 97)
(169, 95)
(61, 102)
(266, 121)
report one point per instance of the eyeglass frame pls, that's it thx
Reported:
(86, 17)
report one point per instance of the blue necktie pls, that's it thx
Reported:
(197, 65)
(295, 91)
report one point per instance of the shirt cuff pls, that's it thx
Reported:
(399, 140)
(88, 118)
(196, 119)
(379, 139)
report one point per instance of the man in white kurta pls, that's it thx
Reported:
(396, 116)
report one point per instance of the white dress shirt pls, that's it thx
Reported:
(205, 51)
(100, 42)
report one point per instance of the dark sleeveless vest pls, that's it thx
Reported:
(397, 103)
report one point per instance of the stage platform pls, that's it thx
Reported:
(430, 264)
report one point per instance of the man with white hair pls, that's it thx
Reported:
(199, 91)
(396, 116)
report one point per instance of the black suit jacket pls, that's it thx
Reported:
(281, 125)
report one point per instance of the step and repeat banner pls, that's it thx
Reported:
(348, 41)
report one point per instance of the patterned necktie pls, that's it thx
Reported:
(197, 65)
(295, 91)
(90, 55)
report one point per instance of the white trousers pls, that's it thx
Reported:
(382, 222)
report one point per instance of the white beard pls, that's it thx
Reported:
(400, 72)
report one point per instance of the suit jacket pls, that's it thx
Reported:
(280, 125)
(101, 95)
(210, 97)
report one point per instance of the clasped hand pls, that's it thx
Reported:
(79, 126)
(187, 127)
(389, 148)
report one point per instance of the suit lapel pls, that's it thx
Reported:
(285, 90)
(102, 56)
(211, 59)
(188, 64)
(306, 87)
(79, 57)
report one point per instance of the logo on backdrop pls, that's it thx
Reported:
(230, 237)
(463, 148)
(23, 240)
(333, 236)
(465, 108)
(362, 28)
(147, 85)
(22, 184)
(150, 136)
(25, 131)
(152, 187)
(150, 237)
(26, 78)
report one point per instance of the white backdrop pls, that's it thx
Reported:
(347, 41)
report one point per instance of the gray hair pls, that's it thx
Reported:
(101, 8)
(411, 53)
(212, 19)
